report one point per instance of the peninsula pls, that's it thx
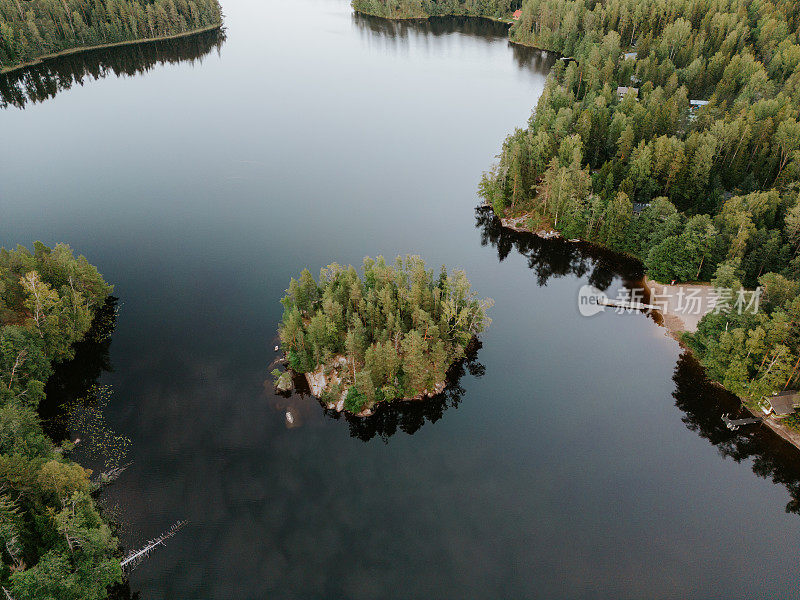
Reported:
(34, 30)
(669, 132)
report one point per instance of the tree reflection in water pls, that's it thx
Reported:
(45, 80)
(550, 258)
(702, 402)
(72, 381)
(71, 385)
(408, 416)
(390, 32)
(389, 417)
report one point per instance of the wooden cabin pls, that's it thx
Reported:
(782, 404)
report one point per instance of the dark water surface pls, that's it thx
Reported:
(578, 458)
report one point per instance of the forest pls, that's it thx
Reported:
(30, 29)
(669, 131)
(422, 9)
(391, 334)
(54, 541)
(45, 80)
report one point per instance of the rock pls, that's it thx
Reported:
(340, 405)
(284, 382)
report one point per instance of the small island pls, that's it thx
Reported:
(392, 334)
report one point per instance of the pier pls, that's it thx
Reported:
(734, 424)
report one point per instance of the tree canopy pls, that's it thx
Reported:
(422, 9)
(30, 29)
(390, 334)
(669, 131)
(55, 545)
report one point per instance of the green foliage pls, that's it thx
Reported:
(777, 290)
(355, 401)
(671, 259)
(697, 191)
(751, 355)
(53, 541)
(33, 28)
(731, 167)
(396, 330)
(421, 9)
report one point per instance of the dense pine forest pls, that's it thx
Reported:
(669, 131)
(30, 29)
(421, 9)
(670, 134)
(54, 542)
(390, 335)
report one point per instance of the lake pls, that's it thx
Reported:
(575, 458)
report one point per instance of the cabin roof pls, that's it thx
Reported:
(622, 90)
(629, 55)
(784, 403)
(698, 102)
(517, 14)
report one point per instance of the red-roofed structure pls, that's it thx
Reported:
(517, 14)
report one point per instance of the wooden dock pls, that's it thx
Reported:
(734, 424)
(628, 305)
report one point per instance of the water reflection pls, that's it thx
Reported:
(72, 384)
(73, 380)
(558, 258)
(434, 26)
(44, 81)
(394, 32)
(702, 402)
(389, 417)
(409, 416)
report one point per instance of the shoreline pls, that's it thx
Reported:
(508, 22)
(318, 382)
(79, 49)
(675, 324)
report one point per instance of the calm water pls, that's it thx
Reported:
(578, 458)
